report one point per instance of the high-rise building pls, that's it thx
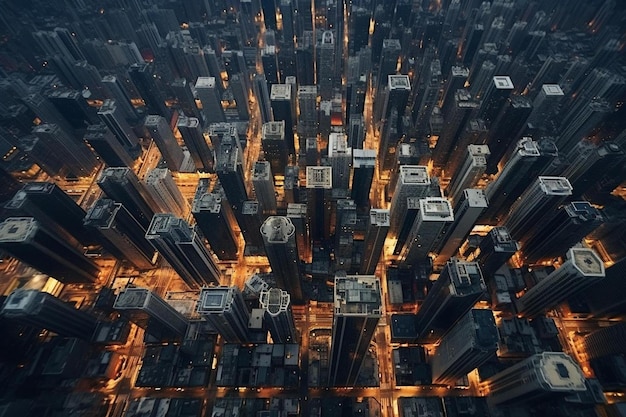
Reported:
(114, 119)
(122, 234)
(284, 109)
(345, 224)
(275, 148)
(191, 131)
(319, 180)
(414, 181)
(150, 312)
(297, 213)
(471, 342)
(495, 250)
(160, 184)
(264, 191)
(164, 139)
(375, 235)
(546, 376)
(363, 164)
(459, 286)
(144, 78)
(211, 100)
(185, 99)
(209, 210)
(469, 173)
(226, 311)
(307, 111)
(250, 220)
(571, 223)
(358, 308)
(122, 185)
(230, 173)
(434, 215)
(467, 210)
(582, 268)
(40, 309)
(291, 185)
(282, 252)
(259, 86)
(54, 210)
(326, 51)
(107, 147)
(183, 249)
(391, 50)
(26, 239)
(340, 158)
(278, 316)
(606, 341)
(536, 206)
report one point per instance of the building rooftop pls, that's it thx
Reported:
(273, 130)
(555, 185)
(503, 82)
(274, 300)
(475, 197)
(399, 82)
(250, 207)
(262, 170)
(277, 229)
(215, 299)
(20, 301)
(379, 217)
(586, 261)
(503, 242)
(414, 174)
(205, 82)
(319, 177)
(101, 214)
(466, 277)
(559, 372)
(130, 298)
(281, 92)
(436, 209)
(108, 106)
(18, 229)
(363, 158)
(552, 90)
(358, 295)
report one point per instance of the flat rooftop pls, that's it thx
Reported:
(436, 209)
(586, 261)
(414, 174)
(555, 185)
(215, 299)
(131, 298)
(379, 217)
(319, 177)
(358, 295)
(18, 229)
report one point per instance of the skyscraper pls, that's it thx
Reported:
(123, 186)
(582, 268)
(283, 109)
(282, 252)
(434, 215)
(606, 341)
(150, 312)
(165, 192)
(459, 286)
(144, 78)
(414, 181)
(191, 131)
(164, 139)
(117, 92)
(122, 234)
(183, 249)
(40, 309)
(275, 148)
(326, 51)
(113, 118)
(278, 316)
(546, 376)
(210, 213)
(495, 250)
(263, 182)
(375, 235)
(107, 147)
(469, 173)
(358, 307)
(26, 239)
(225, 310)
(471, 342)
(211, 100)
(340, 158)
(363, 164)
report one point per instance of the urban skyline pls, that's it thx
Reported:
(313, 207)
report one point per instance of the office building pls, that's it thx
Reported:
(391, 50)
(238, 86)
(582, 268)
(357, 310)
(545, 106)
(263, 183)
(113, 118)
(275, 148)
(291, 185)
(42, 310)
(76, 157)
(259, 86)
(47, 112)
(183, 249)
(150, 312)
(467, 210)
(494, 97)
(122, 235)
(185, 99)
(319, 180)
(345, 224)
(27, 240)
(211, 100)
(225, 310)
(363, 164)
(144, 78)
(284, 109)
(375, 235)
(122, 186)
(281, 248)
(340, 159)
(547, 376)
(495, 250)
(414, 181)
(209, 210)
(459, 286)
(307, 111)
(200, 151)
(230, 173)
(278, 316)
(54, 210)
(160, 184)
(434, 215)
(471, 342)
(326, 51)
(606, 341)
(395, 97)
(536, 206)
(297, 213)
(571, 223)
(164, 139)
(250, 220)
(607, 298)
(469, 173)
(107, 147)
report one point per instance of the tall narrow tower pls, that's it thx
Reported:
(278, 315)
